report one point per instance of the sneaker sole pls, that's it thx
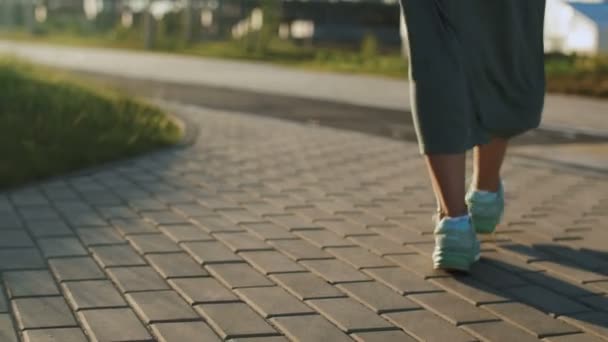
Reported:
(454, 262)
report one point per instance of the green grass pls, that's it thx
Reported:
(51, 124)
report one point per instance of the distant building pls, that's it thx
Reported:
(577, 26)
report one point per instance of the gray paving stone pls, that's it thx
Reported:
(240, 216)
(575, 338)
(345, 228)
(147, 202)
(186, 233)
(43, 312)
(48, 228)
(217, 224)
(425, 326)
(402, 235)
(203, 291)
(597, 302)
(54, 335)
(7, 330)
(260, 339)
(495, 277)
(273, 302)
(111, 256)
(92, 294)
(233, 320)
(310, 212)
(20, 259)
(81, 268)
(401, 280)
(113, 325)
(380, 245)
(323, 238)
(117, 212)
(211, 252)
(571, 272)
(38, 212)
(419, 264)
(293, 222)
(349, 315)
(10, 220)
(359, 257)
(161, 306)
(242, 242)
(558, 284)
(452, 308)
(30, 284)
(307, 286)
(100, 236)
(184, 331)
(268, 231)
(335, 271)
(3, 301)
(499, 332)
(547, 300)
(300, 250)
(530, 319)
(153, 243)
(138, 278)
(378, 297)
(164, 217)
(590, 322)
(61, 247)
(84, 219)
(192, 210)
(14, 239)
(309, 329)
(175, 265)
(471, 290)
(238, 275)
(133, 226)
(269, 262)
(383, 336)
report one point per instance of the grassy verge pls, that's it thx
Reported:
(51, 124)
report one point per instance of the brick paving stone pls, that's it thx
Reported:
(14, 239)
(309, 329)
(558, 284)
(233, 320)
(217, 202)
(133, 226)
(575, 338)
(498, 332)
(601, 286)
(425, 326)
(571, 272)
(85, 219)
(217, 224)
(240, 216)
(61, 247)
(20, 259)
(597, 302)
(452, 308)
(530, 319)
(48, 228)
(113, 325)
(402, 235)
(381, 245)
(260, 339)
(203, 291)
(211, 252)
(38, 212)
(268, 231)
(269, 262)
(495, 277)
(261, 208)
(175, 265)
(238, 275)
(242, 242)
(100, 236)
(307, 286)
(300, 250)
(359, 257)
(365, 219)
(186, 233)
(42, 312)
(3, 301)
(137, 278)
(117, 212)
(92, 294)
(344, 228)
(153, 243)
(383, 336)
(110, 256)
(192, 210)
(471, 290)
(81, 268)
(378, 297)
(418, 264)
(53, 335)
(546, 300)
(10, 220)
(7, 330)
(349, 315)
(164, 217)
(293, 222)
(184, 331)
(30, 284)
(161, 306)
(324, 238)
(401, 280)
(334, 271)
(310, 212)
(590, 322)
(273, 302)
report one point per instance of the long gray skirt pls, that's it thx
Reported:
(476, 70)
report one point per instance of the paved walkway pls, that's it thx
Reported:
(562, 112)
(270, 231)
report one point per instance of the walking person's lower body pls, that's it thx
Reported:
(477, 80)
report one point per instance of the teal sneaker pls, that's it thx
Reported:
(456, 245)
(486, 209)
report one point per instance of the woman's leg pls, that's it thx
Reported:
(488, 162)
(447, 172)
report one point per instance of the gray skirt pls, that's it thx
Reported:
(476, 70)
